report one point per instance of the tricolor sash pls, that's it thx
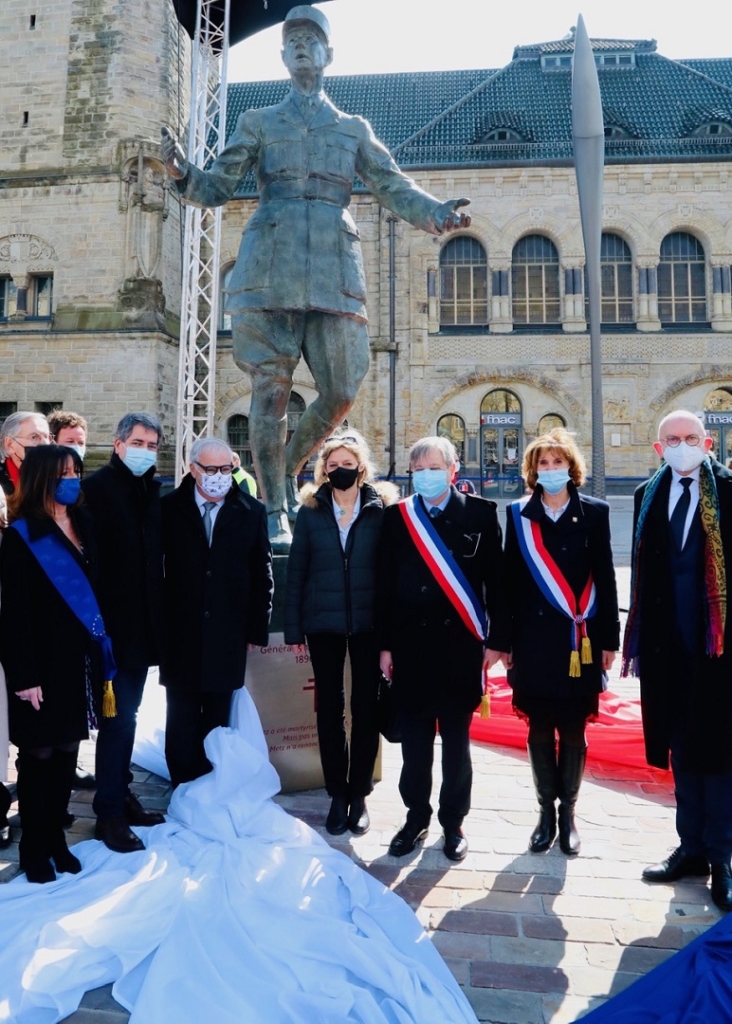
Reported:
(72, 584)
(552, 583)
(443, 567)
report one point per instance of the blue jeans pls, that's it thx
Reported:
(114, 744)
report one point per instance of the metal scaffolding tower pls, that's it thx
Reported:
(202, 236)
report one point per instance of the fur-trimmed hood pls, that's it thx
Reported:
(388, 492)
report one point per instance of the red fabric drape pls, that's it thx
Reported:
(616, 736)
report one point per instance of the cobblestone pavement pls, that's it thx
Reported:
(532, 939)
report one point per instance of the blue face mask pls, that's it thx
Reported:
(139, 460)
(67, 490)
(430, 483)
(553, 480)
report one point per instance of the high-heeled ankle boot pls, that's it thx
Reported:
(570, 768)
(63, 767)
(543, 761)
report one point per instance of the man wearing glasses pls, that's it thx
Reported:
(679, 641)
(20, 430)
(124, 500)
(218, 600)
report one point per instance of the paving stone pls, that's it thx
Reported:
(520, 977)
(496, 1006)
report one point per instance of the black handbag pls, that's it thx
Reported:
(388, 712)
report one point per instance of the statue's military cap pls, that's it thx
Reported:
(305, 13)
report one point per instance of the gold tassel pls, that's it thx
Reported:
(574, 664)
(485, 706)
(586, 651)
(109, 703)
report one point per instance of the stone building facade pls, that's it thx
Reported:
(482, 336)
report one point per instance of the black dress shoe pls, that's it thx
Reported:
(406, 840)
(68, 820)
(722, 886)
(117, 835)
(84, 780)
(38, 869)
(337, 821)
(359, 821)
(65, 860)
(456, 845)
(678, 865)
(136, 814)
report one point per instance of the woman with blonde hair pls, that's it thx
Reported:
(329, 602)
(564, 623)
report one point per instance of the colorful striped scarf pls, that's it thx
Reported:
(715, 576)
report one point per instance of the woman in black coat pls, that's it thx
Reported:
(564, 623)
(330, 598)
(51, 662)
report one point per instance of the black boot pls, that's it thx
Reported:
(543, 761)
(34, 785)
(63, 767)
(5, 802)
(570, 769)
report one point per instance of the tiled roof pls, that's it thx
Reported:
(430, 119)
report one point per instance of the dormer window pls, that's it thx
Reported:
(502, 135)
(614, 131)
(713, 130)
(615, 60)
(556, 62)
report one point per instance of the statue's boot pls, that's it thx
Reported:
(280, 535)
(291, 497)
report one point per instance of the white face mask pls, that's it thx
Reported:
(216, 486)
(80, 449)
(685, 457)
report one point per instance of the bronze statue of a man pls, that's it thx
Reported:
(298, 287)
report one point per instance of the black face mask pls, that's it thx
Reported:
(342, 478)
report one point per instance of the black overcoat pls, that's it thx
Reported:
(330, 590)
(126, 512)
(42, 643)
(436, 660)
(707, 694)
(541, 636)
(218, 598)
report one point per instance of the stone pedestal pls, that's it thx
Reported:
(282, 687)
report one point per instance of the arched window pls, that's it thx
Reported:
(453, 427)
(535, 281)
(682, 291)
(551, 421)
(463, 283)
(237, 435)
(224, 318)
(616, 281)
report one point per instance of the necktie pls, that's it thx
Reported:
(678, 516)
(207, 524)
(435, 512)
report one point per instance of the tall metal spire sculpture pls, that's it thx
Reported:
(588, 141)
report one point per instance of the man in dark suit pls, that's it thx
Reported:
(218, 600)
(124, 499)
(298, 286)
(679, 640)
(435, 661)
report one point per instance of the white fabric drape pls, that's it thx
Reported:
(236, 912)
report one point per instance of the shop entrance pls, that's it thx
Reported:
(501, 445)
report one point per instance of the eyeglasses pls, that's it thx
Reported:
(213, 470)
(33, 439)
(342, 437)
(673, 441)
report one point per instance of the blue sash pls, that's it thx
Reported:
(71, 582)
